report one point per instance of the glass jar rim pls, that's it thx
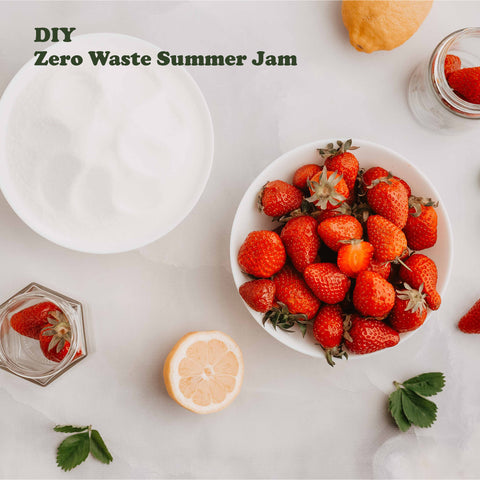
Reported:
(74, 344)
(442, 90)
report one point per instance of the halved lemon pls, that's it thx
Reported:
(204, 371)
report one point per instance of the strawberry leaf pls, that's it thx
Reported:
(73, 451)
(69, 428)
(395, 407)
(427, 384)
(418, 410)
(98, 448)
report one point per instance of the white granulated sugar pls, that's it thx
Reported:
(102, 156)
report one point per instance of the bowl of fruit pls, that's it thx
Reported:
(341, 249)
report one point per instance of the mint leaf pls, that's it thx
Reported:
(418, 410)
(98, 448)
(427, 384)
(73, 451)
(69, 428)
(395, 407)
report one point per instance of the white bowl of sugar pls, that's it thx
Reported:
(103, 159)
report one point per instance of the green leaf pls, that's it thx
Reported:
(69, 428)
(427, 384)
(418, 410)
(73, 451)
(98, 448)
(395, 407)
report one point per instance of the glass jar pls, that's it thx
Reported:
(431, 99)
(21, 355)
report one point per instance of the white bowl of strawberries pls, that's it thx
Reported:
(341, 249)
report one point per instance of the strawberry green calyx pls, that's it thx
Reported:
(347, 325)
(306, 208)
(282, 318)
(343, 209)
(361, 211)
(398, 260)
(360, 185)
(415, 298)
(337, 352)
(352, 241)
(387, 179)
(417, 203)
(59, 330)
(324, 191)
(259, 198)
(331, 150)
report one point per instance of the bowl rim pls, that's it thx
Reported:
(7, 99)
(252, 189)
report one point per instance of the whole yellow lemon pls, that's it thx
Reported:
(379, 25)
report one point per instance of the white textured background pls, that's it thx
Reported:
(295, 417)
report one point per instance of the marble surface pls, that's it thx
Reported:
(296, 417)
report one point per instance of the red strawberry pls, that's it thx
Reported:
(327, 282)
(341, 161)
(56, 337)
(304, 173)
(382, 268)
(470, 322)
(31, 320)
(278, 198)
(466, 83)
(292, 290)
(409, 311)
(343, 227)
(345, 164)
(328, 190)
(328, 326)
(421, 227)
(422, 271)
(452, 63)
(321, 215)
(262, 254)
(373, 174)
(301, 241)
(360, 210)
(354, 257)
(258, 294)
(387, 239)
(373, 296)
(328, 331)
(405, 184)
(389, 198)
(367, 336)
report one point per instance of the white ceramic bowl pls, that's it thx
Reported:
(178, 88)
(369, 155)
